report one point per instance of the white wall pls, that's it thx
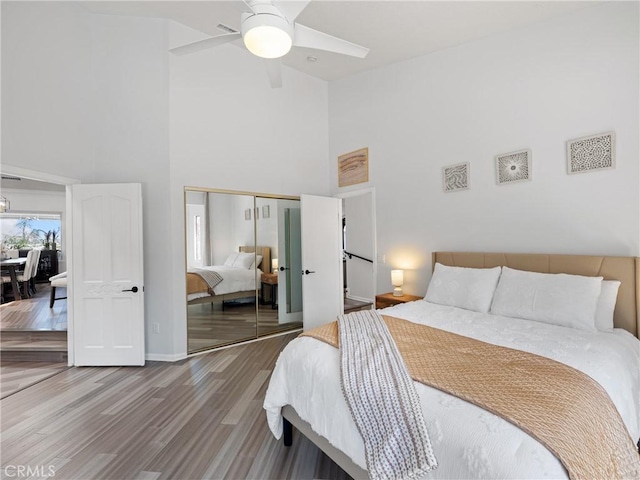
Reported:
(537, 87)
(46, 92)
(86, 96)
(129, 72)
(231, 130)
(41, 201)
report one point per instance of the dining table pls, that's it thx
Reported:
(10, 265)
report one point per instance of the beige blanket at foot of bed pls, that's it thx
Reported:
(563, 408)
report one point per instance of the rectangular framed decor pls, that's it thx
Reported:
(595, 152)
(353, 167)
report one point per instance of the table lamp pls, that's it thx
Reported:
(397, 280)
(274, 265)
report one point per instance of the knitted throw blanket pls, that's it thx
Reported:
(211, 277)
(383, 399)
(561, 407)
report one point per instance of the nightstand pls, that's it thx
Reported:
(385, 300)
(272, 280)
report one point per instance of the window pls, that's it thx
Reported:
(197, 243)
(29, 230)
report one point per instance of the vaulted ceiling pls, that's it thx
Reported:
(393, 30)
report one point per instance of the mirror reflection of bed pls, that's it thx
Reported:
(235, 290)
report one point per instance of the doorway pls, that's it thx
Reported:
(360, 249)
(44, 196)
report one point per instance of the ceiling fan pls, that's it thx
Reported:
(269, 31)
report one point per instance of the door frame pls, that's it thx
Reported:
(58, 180)
(358, 193)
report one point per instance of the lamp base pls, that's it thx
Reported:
(397, 292)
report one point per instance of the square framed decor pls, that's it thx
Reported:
(456, 177)
(513, 167)
(595, 152)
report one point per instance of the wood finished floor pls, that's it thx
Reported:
(34, 313)
(209, 327)
(195, 419)
(14, 376)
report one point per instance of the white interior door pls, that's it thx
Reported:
(321, 260)
(107, 274)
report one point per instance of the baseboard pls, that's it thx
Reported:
(161, 357)
(361, 299)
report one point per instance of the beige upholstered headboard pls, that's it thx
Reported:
(265, 265)
(625, 269)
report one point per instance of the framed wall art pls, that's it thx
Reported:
(595, 152)
(353, 167)
(456, 177)
(513, 167)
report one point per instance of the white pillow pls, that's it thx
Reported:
(230, 260)
(258, 260)
(558, 299)
(468, 288)
(244, 260)
(606, 305)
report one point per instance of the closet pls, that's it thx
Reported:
(243, 265)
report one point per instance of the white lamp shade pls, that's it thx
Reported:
(397, 278)
(274, 264)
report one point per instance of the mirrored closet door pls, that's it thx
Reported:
(243, 266)
(278, 224)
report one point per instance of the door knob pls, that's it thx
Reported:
(307, 272)
(133, 289)
(282, 269)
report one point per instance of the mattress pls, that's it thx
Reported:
(234, 280)
(468, 441)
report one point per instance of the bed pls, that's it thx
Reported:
(471, 442)
(237, 281)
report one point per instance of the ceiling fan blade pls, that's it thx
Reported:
(247, 3)
(274, 71)
(291, 9)
(206, 43)
(310, 38)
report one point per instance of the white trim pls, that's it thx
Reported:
(35, 175)
(161, 357)
(361, 299)
(69, 264)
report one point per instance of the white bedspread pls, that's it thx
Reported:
(235, 279)
(468, 441)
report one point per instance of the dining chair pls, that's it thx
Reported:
(34, 271)
(24, 276)
(57, 281)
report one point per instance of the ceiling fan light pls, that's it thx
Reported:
(267, 41)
